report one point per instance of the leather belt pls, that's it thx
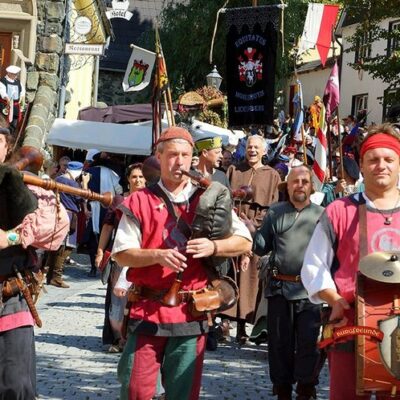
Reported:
(287, 278)
(144, 292)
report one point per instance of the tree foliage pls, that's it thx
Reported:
(186, 31)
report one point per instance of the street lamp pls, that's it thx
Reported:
(214, 78)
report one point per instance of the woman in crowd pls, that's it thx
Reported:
(111, 271)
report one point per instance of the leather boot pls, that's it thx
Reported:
(306, 391)
(284, 391)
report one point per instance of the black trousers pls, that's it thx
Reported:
(293, 329)
(17, 364)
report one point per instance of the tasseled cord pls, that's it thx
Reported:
(221, 10)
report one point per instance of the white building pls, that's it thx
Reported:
(358, 90)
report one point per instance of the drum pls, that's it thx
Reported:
(378, 363)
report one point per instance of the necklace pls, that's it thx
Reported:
(388, 218)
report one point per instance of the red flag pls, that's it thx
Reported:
(331, 94)
(320, 21)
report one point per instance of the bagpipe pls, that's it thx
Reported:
(213, 220)
(30, 156)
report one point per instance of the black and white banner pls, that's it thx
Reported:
(252, 35)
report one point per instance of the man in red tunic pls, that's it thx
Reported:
(151, 243)
(331, 261)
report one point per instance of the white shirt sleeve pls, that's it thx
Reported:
(128, 236)
(122, 283)
(239, 228)
(316, 271)
(3, 91)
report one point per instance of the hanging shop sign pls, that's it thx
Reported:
(119, 10)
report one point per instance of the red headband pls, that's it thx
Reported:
(378, 141)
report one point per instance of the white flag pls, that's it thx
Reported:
(139, 69)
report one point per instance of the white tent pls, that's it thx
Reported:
(202, 130)
(125, 138)
(114, 138)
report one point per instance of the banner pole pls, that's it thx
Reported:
(303, 139)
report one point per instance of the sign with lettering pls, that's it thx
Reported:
(119, 10)
(84, 49)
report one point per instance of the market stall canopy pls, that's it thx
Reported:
(114, 138)
(120, 114)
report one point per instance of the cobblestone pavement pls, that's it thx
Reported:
(72, 364)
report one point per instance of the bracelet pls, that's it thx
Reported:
(215, 248)
(13, 238)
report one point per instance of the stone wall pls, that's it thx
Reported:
(43, 80)
(110, 90)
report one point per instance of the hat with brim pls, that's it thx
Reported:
(75, 168)
(91, 153)
(208, 143)
(13, 69)
(175, 132)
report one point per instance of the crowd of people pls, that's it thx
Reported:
(163, 249)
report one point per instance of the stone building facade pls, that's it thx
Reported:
(33, 34)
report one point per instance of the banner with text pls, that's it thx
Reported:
(252, 35)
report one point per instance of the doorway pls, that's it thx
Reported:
(5, 51)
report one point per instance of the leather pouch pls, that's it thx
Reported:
(204, 301)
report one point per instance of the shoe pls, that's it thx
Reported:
(241, 336)
(212, 343)
(58, 283)
(70, 261)
(92, 273)
(114, 348)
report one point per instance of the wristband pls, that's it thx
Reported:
(13, 238)
(215, 248)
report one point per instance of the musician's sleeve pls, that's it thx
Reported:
(239, 228)
(128, 236)
(47, 227)
(316, 271)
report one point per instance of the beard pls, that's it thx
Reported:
(299, 197)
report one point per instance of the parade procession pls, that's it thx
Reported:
(199, 199)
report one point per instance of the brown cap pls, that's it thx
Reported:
(175, 132)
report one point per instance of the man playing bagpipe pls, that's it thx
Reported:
(165, 230)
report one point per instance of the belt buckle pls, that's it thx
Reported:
(298, 278)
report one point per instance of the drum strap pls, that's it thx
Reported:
(362, 226)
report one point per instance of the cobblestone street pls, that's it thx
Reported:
(72, 363)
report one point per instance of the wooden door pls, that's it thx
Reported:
(5, 51)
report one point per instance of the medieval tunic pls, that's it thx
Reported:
(264, 182)
(170, 337)
(293, 321)
(331, 262)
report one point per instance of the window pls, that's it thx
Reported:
(359, 105)
(363, 48)
(393, 43)
(391, 105)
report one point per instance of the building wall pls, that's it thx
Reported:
(313, 84)
(352, 83)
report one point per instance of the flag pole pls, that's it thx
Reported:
(303, 139)
(167, 93)
(337, 109)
